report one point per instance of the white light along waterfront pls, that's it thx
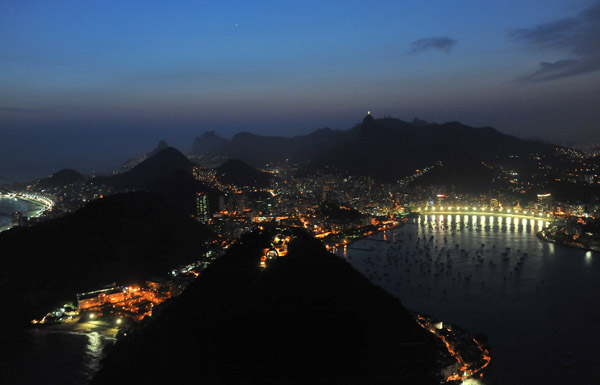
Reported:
(30, 205)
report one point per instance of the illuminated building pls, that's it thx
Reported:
(202, 208)
(99, 297)
(544, 201)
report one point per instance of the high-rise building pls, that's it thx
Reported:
(544, 201)
(202, 207)
(222, 203)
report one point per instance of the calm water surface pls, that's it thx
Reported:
(9, 206)
(537, 302)
(50, 356)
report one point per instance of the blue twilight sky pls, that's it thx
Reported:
(83, 83)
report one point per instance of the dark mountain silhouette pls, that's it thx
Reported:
(386, 149)
(60, 178)
(161, 146)
(390, 149)
(470, 177)
(258, 150)
(241, 174)
(309, 318)
(162, 165)
(169, 173)
(123, 238)
(208, 142)
(419, 122)
(131, 163)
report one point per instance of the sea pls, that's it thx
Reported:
(57, 355)
(7, 207)
(538, 303)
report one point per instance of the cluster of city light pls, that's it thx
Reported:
(464, 367)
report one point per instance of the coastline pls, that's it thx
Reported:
(34, 209)
(541, 235)
(75, 326)
(346, 241)
(82, 327)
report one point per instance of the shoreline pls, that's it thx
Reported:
(543, 237)
(339, 243)
(35, 208)
(77, 326)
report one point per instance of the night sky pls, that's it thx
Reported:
(85, 84)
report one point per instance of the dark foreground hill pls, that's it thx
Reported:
(309, 318)
(241, 174)
(124, 238)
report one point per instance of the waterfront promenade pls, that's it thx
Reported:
(36, 205)
(522, 214)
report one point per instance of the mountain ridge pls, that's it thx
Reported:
(386, 149)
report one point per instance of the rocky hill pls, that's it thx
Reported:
(309, 318)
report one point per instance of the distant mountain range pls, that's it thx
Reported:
(207, 142)
(386, 149)
(257, 150)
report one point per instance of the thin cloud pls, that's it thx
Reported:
(443, 44)
(21, 110)
(579, 36)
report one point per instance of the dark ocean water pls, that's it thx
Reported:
(539, 304)
(49, 356)
(7, 207)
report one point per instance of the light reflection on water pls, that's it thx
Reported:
(453, 267)
(94, 350)
(50, 356)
